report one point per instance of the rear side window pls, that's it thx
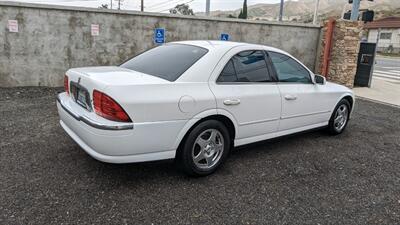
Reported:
(228, 74)
(247, 66)
(168, 62)
(288, 70)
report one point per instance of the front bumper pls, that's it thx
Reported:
(114, 142)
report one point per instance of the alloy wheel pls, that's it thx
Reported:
(208, 149)
(341, 116)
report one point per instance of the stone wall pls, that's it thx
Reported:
(51, 39)
(344, 52)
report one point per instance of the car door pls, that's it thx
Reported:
(244, 88)
(303, 102)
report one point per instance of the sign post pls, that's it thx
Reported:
(355, 10)
(281, 10)
(316, 12)
(159, 35)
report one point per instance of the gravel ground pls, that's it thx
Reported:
(310, 178)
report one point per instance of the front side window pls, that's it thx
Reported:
(168, 62)
(247, 66)
(288, 70)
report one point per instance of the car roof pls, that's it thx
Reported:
(223, 45)
(209, 44)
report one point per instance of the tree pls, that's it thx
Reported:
(243, 12)
(103, 6)
(182, 9)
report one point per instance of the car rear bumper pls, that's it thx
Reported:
(92, 123)
(113, 142)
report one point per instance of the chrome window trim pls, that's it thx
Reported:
(247, 83)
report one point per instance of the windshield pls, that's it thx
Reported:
(168, 62)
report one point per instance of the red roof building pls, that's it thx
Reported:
(388, 30)
(388, 22)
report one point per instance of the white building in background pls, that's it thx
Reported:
(389, 38)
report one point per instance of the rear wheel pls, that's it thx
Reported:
(205, 148)
(339, 118)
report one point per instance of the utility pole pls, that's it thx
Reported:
(119, 4)
(208, 7)
(355, 10)
(281, 10)
(142, 5)
(111, 4)
(316, 12)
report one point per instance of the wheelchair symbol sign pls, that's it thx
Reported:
(159, 35)
(224, 37)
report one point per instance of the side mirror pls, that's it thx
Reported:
(320, 79)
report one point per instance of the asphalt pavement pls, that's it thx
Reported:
(309, 178)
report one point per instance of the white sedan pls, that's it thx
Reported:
(194, 101)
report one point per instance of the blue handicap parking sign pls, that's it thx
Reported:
(159, 35)
(225, 37)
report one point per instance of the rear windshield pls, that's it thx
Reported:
(168, 62)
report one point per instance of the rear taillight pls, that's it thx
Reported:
(66, 84)
(108, 108)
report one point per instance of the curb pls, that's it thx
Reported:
(377, 101)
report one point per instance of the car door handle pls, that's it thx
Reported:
(232, 102)
(290, 97)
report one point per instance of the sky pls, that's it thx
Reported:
(155, 5)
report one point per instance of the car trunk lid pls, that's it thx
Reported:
(114, 75)
(82, 81)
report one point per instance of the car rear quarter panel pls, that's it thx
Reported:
(163, 102)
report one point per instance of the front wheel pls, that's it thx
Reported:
(205, 148)
(339, 118)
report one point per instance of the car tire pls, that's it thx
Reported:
(204, 149)
(340, 117)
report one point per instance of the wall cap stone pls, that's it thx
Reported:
(138, 13)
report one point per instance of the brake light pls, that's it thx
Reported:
(66, 84)
(108, 108)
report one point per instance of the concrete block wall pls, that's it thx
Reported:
(52, 39)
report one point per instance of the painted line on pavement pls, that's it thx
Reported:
(386, 76)
(387, 79)
(387, 73)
